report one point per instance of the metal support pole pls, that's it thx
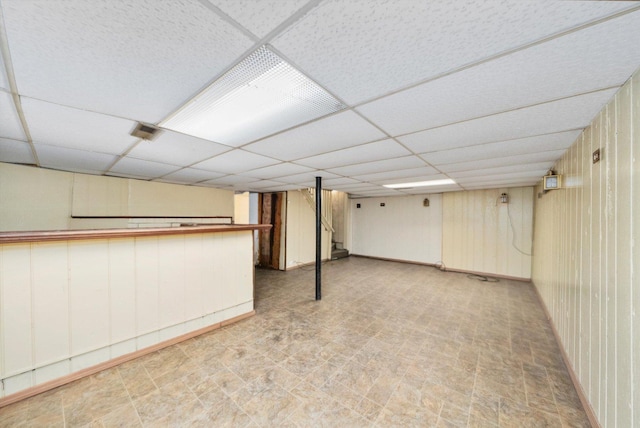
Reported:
(318, 238)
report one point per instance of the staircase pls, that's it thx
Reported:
(337, 252)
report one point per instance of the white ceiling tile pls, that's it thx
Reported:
(502, 184)
(563, 115)
(369, 38)
(540, 143)
(13, 151)
(594, 58)
(261, 184)
(523, 160)
(10, 125)
(334, 132)
(259, 17)
(137, 59)
(340, 181)
(4, 82)
(359, 154)
(356, 186)
(478, 172)
(420, 174)
(279, 188)
(182, 149)
(235, 161)
(230, 180)
(57, 125)
(307, 177)
(67, 159)
(189, 176)
(138, 168)
(489, 176)
(279, 170)
(431, 190)
(405, 162)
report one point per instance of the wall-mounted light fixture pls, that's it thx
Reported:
(425, 203)
(504, 198)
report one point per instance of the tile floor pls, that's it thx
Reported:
(390, 344)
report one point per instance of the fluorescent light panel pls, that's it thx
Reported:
(420, 184)
(260, 96)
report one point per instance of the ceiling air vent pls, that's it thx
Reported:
(145, 131)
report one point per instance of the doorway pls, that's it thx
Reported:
(271, 243)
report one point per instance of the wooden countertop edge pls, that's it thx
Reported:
(74, 235)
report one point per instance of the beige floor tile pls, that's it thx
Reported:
(125, 416)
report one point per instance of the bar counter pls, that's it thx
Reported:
(75, 302)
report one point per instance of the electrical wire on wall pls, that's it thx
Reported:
(503, 199)
(513, 234)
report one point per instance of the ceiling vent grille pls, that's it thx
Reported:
(145, 131)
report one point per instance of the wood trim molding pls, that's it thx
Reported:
(74, 235)
(147, 216)
(492, 275)
(38, 389)
(446, 269)
(591, 414)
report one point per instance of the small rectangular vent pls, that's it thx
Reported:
(145, 131)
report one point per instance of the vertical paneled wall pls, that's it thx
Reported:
(42, 199)
(482, 234)
(587, 260)
(402, 229)
(68, 305)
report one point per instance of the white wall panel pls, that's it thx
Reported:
(194, 279)
(634, 402)
(171, 276)
(50, 288)
(402, 229)
(15, 309)
(122, 289)
(585, 258)
(213, 293)
(88, 295)
(478, 231)
(147, 298)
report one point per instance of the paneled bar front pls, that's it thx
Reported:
(76, 302)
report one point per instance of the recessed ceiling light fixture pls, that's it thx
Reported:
(261, 95)
(420, 184)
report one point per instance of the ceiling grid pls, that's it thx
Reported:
(489, 94)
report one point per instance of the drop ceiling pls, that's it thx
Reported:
(487, 93)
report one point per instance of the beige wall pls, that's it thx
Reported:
(403, 229)
(586, 266)
(34, 198)
(42, 199)
(478, 231)
(339, 219)
(301, 230)
(241, 208)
